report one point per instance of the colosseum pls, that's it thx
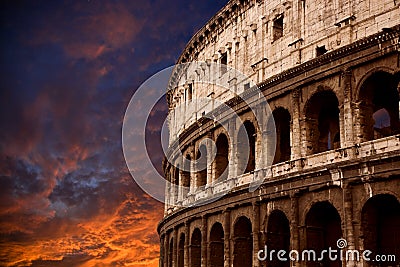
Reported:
(322, 151)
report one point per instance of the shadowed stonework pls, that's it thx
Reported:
(330, 73)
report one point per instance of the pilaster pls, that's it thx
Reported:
(166, 243)
(227, 238)
(209, 160)
(256, 233)
(348, 220)
(296, 140)
(204, 243)
(294, 226)
(175, 250)
(186, 252)
(347, 138)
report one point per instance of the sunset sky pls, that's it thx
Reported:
(68, 71)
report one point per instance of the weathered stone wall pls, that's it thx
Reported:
(341, 177)
(244, 31)
(335, 89)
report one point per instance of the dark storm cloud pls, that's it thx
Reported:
(68, 70)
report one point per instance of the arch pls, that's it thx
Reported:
(378, 114)
(246, 147)
(171, 253)
(243, 243)
(217, 245)
(278, 236)
(282, 125)
(222, 158)
(195, 248)
(322, 122)
(181, 250)
(368, 74)
(323, 229)
(380, 225)
(201, 174)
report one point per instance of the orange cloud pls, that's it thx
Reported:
(125, 238)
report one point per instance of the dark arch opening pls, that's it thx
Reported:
(221, 158)
(181, 250)
(195, 248)
(278, 236)
(201, 166)
(217, 245)
(243, 243)
(380, 218)
(246, 147)
(322, 122)
(379, 106)
(323, 227)
(282, 126)
(171, 253)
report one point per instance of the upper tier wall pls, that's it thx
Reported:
(263, 38)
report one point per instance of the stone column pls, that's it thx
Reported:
(363, 122)
(192, 175)
(161, 260)
(186, 252)
(263, 52)
(348, 220)
(204, 243)
(173, 187)
(296, 130)
(167, 191)
(180, 186)
(256, 232)
(309, 136)
(294, 226)
(175, 251)
(341, 127)
(347, 136)
(184, 103)
(166, 243)
(263, 142)
(232, 147)
(227, 238)
(209, 160)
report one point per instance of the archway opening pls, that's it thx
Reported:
(201, 167)
(380, 219)
(246, 148)
(278, 236)
(195, 248)
(243, 243)
(282, 126)
(322, 122)
(217, 245)
(221, 158)
(379, 106)
(323, 229)
(181, 250)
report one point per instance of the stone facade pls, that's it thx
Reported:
(330, 71)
